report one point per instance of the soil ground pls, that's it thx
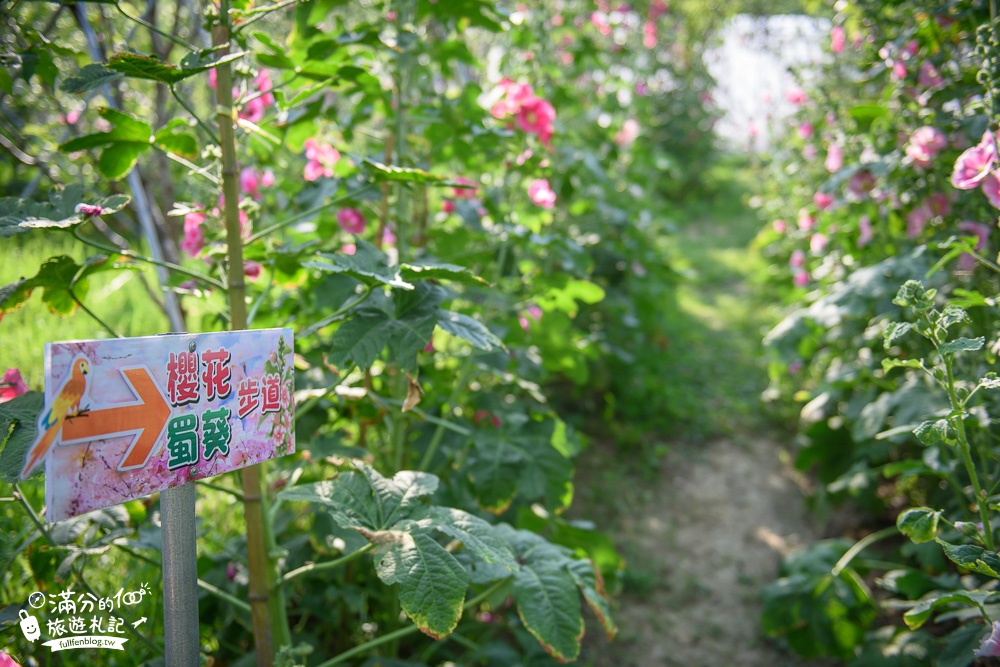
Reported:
(703, 520)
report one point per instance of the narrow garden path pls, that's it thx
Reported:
(717, 503)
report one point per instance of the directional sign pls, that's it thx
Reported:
(125, 418)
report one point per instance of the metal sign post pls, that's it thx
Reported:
(180, 576)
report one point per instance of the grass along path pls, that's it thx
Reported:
(705, 531)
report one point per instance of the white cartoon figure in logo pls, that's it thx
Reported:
(29, 626)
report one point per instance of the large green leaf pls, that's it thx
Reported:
(128, 139)
(368, 265)
(141, 66)
(440, 271)
(476, 535)
(181, 143)
(18, 430)
(432, 582)
(54, 278)
(63, 210)
(89, 77)
(973, 558)
(919, 614)
(469, 329)
(920, 524)
(361, 339)
(588, 578)
(962, 345)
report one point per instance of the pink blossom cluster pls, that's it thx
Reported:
(258, 101)
(977, 166)
(534, 115)
(924, 144)
(322, 159)
(351, 220)
(468, 193)
(541, 194)
(12, 385)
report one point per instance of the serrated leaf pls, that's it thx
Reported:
(476, 535)
(468, 329)
(895, 331)
(973, 558)
(368, 265)
(18, 430)
(920, 613)
(89, 77)
(962, 345)
(128, 139)
(588, 579)
(434, 271)
(361, 339)
(932, 431)
(384, 172)
(952, 315)
(432, 583)
(920, 524)
(118, 159)
(141, 66)
(21, 215)
(54, 278)
(548, 602)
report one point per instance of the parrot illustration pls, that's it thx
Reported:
(66, 404)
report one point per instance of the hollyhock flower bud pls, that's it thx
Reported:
(797, 260)
(267, 180)
(805, 221)
(837, 39)
(817, 242)
(251, 269)
(805, 130)
(796, 95)
(780, 226)
(834, 158)
(823, 200)
(801, 278)
(89, 210)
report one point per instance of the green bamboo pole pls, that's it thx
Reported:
(267, 602)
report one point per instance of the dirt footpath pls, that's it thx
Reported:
(701, 541)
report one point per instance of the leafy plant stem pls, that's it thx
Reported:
(403, 17)
(328, 565)
(218, 487)
(104, 325)
(149, 260)
(316, 326)
(861, 545)
(228, 597)
(306, 214)
(195, 169)
(201, 124)
(159, 31)
(261, 12)
(958, 421)
(408, 630)
(270, 620)
(463, 377)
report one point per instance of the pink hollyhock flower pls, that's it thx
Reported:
(837, 39)
(465, 193)
(975, 163)
(796, 95)
(250, 182)
(805, 130)
(899, 70)
(351, 220)
(917, 219)
(253, 110)
(649, 34)
(264, 87)
(12, 385)
(448, 206)
(628, 133)
(73, 116)
(534, 312)
(388, 237)
(600, 21)
(925, 142)
(928, 77)
(267, 180)
(246, 227)
(982, 233)
(817, 242)
(536, 116)
(780, 226)
(990, 648)
(322, 159)
(940, 203)
(349, 249)
(834, 158)
(541, 194)
(194, 237)
(866, 234)
(213, 78)
(991, 188)
(797, 260)
(861, 183)
(801, 278)
(251, 269)
(641, 88)
(823, 200)
(805, 221)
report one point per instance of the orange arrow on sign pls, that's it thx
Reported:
(147, 418)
